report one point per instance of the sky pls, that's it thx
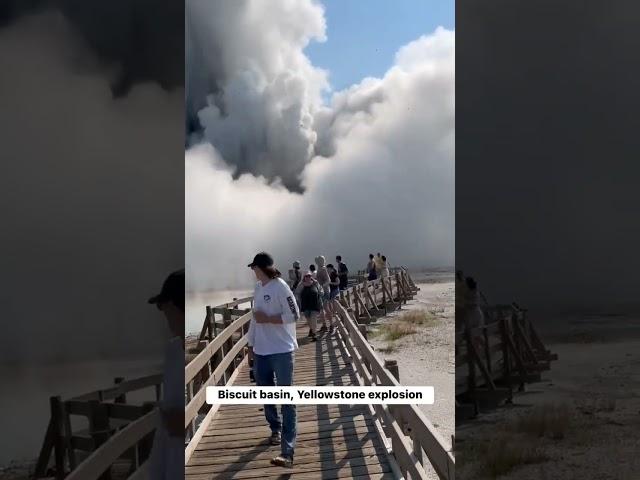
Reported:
(363, 37)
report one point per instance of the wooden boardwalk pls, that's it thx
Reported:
(231, 441)
(333, 441)
(492, 360)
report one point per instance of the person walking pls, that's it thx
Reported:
(272, 334)
(295, 276)
(384, 269)
(334, 282)
(166, 460)
(371, 268)
(343, 273)
(325, 282)
(378, 261)
(310, 294)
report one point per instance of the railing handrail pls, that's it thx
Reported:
(198, 363)
(100, 460)
(121, 388)
(433, 443)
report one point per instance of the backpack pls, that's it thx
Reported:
(310, 298)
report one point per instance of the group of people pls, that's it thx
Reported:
(272, 332)
(316, 289)
(377, 267)
(271, 339)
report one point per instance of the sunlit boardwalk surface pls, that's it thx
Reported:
(333, 441)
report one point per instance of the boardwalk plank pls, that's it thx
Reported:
(333, 441)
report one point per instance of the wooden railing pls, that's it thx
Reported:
(491, 360)
(413, 438)
(133, 439)
(106, 413)
(216, 364)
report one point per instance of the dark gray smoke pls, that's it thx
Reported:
(546, 178)
(91, 125)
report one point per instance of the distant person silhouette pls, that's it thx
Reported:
(371, 268)
(343, 273)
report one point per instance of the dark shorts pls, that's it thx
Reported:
(334, 293)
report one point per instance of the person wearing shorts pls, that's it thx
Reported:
(310, 294)
(334, 282)
(323, 279)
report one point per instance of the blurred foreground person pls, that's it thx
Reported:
(167, 455)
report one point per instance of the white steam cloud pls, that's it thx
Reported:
(376, 165)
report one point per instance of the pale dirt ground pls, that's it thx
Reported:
(427, 358)
(597, 380)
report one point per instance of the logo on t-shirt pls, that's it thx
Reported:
(267, 298)
(292, 307)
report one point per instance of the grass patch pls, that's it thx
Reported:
(577, 337)
(403, 325)
(506, 453)
(393, 331)
(551, 421)
(388, 348)
(500, 455)
(419, 317)
(593, 405)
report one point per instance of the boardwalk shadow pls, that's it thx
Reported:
(331, 443)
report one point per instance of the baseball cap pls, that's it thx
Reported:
(172, 290)
(262, 260)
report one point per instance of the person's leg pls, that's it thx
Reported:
(283, 364)
(312, 322)
(264, 374)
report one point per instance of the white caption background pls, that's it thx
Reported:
(326, 395)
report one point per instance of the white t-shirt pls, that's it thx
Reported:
(167, 455)
(274, 298)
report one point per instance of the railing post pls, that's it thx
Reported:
(58, 441)
(122, 398)
(363, 330)
(392, 366)
(226, 320)
(209, 327)
(144, 446)
(192, 425)
(99, 429)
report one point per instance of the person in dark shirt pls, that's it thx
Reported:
(310, 294)
(343, 273)
(371, 268)
(334, 282)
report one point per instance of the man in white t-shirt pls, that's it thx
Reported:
(272, 334)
